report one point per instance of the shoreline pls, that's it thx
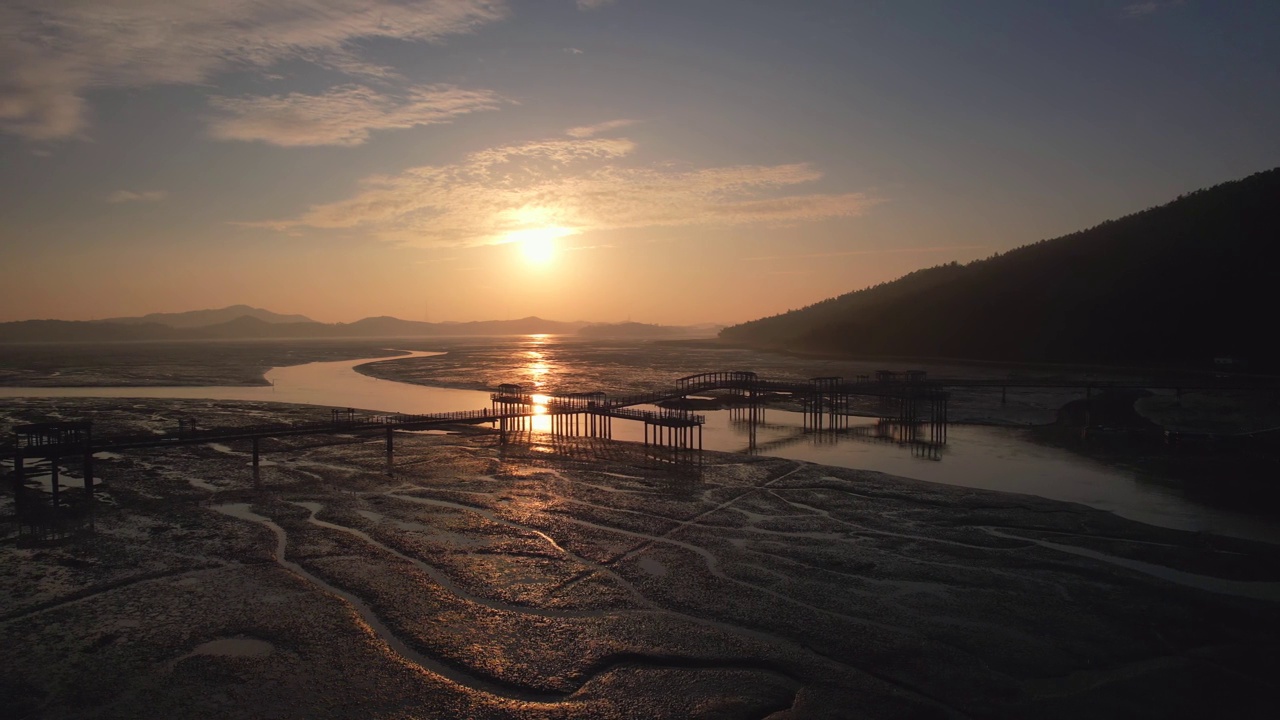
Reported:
(1233, 505)
(1013, 364)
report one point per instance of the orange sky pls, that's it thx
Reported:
(658, 161)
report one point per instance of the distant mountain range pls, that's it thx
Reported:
(201, 318)
(644, 331)
(255, 323)
(1194, 281)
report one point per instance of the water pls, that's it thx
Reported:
(990, 458)
(322, 383)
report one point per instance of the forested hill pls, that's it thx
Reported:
(1178, 284)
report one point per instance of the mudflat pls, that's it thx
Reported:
(539, 580)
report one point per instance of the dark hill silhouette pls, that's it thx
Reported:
(201, 318)
(1181, 283)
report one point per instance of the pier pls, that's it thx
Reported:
(914, 409)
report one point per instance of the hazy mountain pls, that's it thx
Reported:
(628, 330)
(641, 331)
(247, 327)
(253, 327)
(201, 318)
(524, 326)
(1181, 283)
(393, 327)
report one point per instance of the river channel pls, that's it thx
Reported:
(991, 458)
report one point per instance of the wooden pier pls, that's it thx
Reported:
(915, 408)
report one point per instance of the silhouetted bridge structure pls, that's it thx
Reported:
(907, 400)
(905, 397)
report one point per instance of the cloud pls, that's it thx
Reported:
(1149, 7)
(593, 4)
(587, 131)
(343, 116)
(52, 53)
(125, 196)
(1139, 9)
(577, 184)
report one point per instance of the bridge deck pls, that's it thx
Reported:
(512, 402)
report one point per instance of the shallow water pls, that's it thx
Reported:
(235, 647)
(990, 458)
(323, 383)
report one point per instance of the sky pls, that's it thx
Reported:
(662, 161)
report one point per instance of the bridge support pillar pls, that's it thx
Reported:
(946, 400)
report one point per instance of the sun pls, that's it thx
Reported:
(538, 250)
(538, 245)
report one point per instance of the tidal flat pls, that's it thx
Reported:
(584, 579)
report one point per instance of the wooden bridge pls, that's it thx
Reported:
(906, 399)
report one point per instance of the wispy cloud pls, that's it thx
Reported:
(51, 53)
(579, 184)
(127, 196)
(342, 116)
(1149, 7)
(1137, 10)
(593, 4)
(587, 131)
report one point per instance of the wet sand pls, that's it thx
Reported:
(578, 581)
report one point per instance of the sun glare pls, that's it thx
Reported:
(541, 421)
(538, 245)
(539, 250)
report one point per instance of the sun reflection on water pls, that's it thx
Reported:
(537, 367)
(541, 414)
(537, 372)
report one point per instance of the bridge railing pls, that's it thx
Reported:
(459, 415)
(720, 379)
(648, 398)
(659, 416)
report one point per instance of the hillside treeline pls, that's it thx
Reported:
(1179, 284)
